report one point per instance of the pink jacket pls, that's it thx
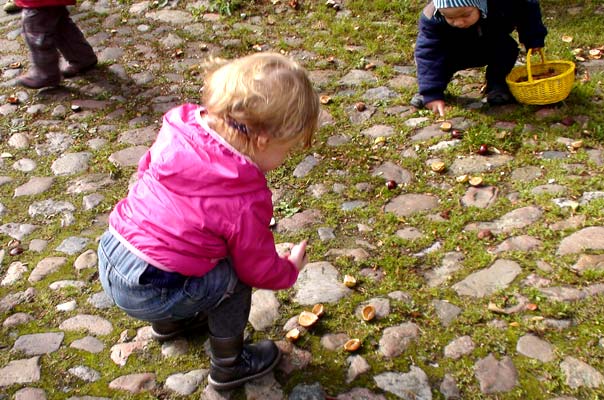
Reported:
(43, 3)
(198, 200)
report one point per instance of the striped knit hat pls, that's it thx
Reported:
(480, 4)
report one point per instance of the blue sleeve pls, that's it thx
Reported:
(531, 30)
(432, 77)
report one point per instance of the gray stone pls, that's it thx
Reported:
(396, 339)
(128, 157)
(378, 131)
(319, 283)
(379, 93)
(299, 221)
(593, 262)
(20, 371)
(305, 166)
(265, 309)
(30, 393)
(49, 208)
(451, 263)
(70, 163)
(91, 201)
(87, 259)
(526, 174)
(14, 273)
(11, 300)
(89, 344)
(518, 243)
(413, 385)
(481, 197)
(351, 205)
(16, 320)
(392, 172)
(515, 219)
(100, 300)
(34, 186)
(591, 238)
(449, 389)
(445, 311)
(334, 341)
(409, 233)
(357, 77)
(580, 374)
(476, 164)
(487, 281)
(90, 323)
(459, 347)
(357, 366)
(46, 267)
(496, 376)
(73, 245)
(326, 234)
(16, 230)
(89, 183)
(533, 347)
(25, 165)
(405, 205)
(85, 373)
(550, 189)
(39, 343)
(186, 383)
(134, 383)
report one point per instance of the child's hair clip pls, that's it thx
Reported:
(237, 125)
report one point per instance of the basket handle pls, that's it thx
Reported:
(528, 62)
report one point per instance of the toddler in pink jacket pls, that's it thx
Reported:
(192, 238)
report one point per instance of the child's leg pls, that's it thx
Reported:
(502, 57)
(232, 362)
(39, 26)
(74, 47)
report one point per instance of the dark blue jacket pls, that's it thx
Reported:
(441, 49)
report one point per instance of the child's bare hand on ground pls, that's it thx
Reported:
(297, 255)
(437, 106)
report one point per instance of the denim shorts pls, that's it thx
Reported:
(174, 298)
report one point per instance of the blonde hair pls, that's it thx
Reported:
(264, 93)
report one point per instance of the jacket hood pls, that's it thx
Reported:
(196, 161)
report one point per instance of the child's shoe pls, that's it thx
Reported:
(36, 80)
(232, 363)
(499, 95)
(72, 70)
(417, 101)
(166, 330)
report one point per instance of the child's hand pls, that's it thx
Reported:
(437, 106)
(298, 255)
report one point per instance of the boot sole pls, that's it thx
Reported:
(234, 384)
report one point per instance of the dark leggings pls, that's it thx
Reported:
(229, 318)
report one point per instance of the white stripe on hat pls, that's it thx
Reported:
(480, 4)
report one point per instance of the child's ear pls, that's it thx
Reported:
(262, 141)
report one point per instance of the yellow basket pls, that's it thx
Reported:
(528, 88)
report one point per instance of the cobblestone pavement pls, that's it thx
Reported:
(482, 290)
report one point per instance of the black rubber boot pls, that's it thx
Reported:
(169, 329)
(233, 363)
(417, 101)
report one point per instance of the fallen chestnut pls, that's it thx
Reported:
(391, 184)
(360, 106)
(456, 134)
(483, 150)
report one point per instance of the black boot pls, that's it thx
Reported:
(169, 329)
(233, 363)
